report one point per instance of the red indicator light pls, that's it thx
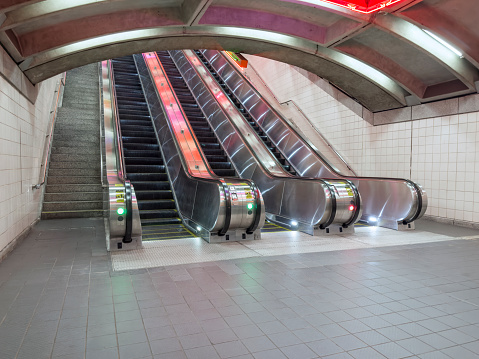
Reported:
(352, 207)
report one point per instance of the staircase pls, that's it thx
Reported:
(73, 187)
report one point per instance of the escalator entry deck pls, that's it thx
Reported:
(270, 227)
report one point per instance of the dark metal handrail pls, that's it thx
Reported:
(53, 115)
(120, 158)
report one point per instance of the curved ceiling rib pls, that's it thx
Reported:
(383, 59)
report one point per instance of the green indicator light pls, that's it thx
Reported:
(120, 211)
(249, 206)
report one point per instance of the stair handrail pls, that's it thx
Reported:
(56, 103)
(102, 133)
(121, 158)
(302, 114)
(119, 142)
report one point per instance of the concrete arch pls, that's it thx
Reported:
(370, 55)
(376, 93)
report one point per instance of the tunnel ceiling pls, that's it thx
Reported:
(374, 50)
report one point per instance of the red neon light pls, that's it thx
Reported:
(364, 6)
(352, 208)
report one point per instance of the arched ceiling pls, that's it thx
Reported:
(374, 50)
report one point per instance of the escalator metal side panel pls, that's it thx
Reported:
(279, 192)
(201, 201)
(115, 227)
(387, 202)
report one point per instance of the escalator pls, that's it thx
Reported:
(274, 150)
(210, 146)
(144, 165)
(388, 202)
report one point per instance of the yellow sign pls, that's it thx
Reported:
(248, 195)
(120, 196)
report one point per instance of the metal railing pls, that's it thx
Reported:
(119, 141)
(302, 114)
(56, 103)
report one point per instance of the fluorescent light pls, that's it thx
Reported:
(438, 39)
(372, 219)
(294, 223)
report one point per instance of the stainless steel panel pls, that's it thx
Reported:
(385, 200)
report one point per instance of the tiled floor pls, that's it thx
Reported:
(59, 298)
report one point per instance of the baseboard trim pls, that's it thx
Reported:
(16, 241)
(453, 222)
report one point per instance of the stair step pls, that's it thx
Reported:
(78, 138)
(73, 196)
(75, 165)
(68, 188)
(73, 214)
(84, 150)
(72, 205)
(73, 179)
(94, 172)
(68, 157)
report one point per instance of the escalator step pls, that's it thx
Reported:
(220, 165)
(225, 172)
(158, 204)
(159, 221)
(217, 158)
(147, 177)
(139, 140)
(140, 146)
(151, 185)
(150, 195)
(145, 161)
(141, 153)
(145, 168)
(158, 213)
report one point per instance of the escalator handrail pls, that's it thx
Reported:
(417, 192)
(257, 194)
(121, 158)
(357, 203)
(129, 213)
(118, 137)
(213, 177)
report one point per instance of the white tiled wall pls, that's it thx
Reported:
(23, 126)
(442, 154)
